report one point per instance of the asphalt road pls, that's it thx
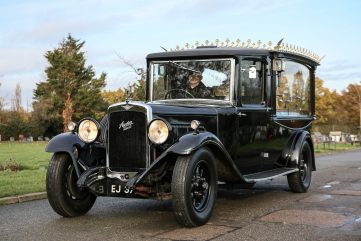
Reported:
(331, 210)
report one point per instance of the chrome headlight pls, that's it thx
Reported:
(88, 130)
(158, 132)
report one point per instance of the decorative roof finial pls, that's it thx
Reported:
(279, 47)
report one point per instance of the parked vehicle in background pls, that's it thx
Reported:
(248, 121)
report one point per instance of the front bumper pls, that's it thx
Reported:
(100, 184)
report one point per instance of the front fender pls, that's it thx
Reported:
(192, 142)
(64, 143)
(189, 143)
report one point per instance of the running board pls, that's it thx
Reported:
(266, 175)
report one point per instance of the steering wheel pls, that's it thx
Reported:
(185, 93)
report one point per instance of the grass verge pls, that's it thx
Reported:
(32, 161)
(21, 182)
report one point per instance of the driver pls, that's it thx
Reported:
(195, 86)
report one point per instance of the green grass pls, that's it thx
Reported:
(33, 162)
(22, 182)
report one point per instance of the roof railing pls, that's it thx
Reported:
(279, 47)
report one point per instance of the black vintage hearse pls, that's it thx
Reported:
(235, 115)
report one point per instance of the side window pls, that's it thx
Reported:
(252, 80)
(293, 90)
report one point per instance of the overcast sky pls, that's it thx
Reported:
(135, 28)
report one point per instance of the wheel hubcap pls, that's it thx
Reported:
(200, 186)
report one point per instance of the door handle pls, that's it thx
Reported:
(242, 114)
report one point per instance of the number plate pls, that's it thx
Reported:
(118, 189)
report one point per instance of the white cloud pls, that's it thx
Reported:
(21, 60)
(338, 74)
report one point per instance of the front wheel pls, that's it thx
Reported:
(194, 188)
(300, 181)
(63, 193)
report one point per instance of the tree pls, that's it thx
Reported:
(43, 121)
(138, 90)
(14, 124)
(351, 99)
(2, 102)
(2, 114)
(326, 104)
(16, 101)
(111, 97)
(71, 90)
(327, 109)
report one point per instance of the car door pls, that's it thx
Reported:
(253, 114)
(293, 108)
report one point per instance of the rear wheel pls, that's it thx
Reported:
(63, 193)
(194, 188)
(300, 181)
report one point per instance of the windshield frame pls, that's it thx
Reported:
(231, 84)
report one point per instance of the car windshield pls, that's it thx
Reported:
(188, 79)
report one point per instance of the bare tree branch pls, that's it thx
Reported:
(128, 63)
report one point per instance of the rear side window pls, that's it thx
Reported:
(293, 90)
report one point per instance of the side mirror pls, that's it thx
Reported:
(161, 70)
(278, 65)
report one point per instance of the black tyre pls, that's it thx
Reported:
(194, 188)
(63, 194)
(300, 181)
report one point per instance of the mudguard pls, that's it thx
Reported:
(301, 136)
(64, 143)
(188, 144)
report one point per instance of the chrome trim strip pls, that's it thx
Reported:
(270, 177)
(120, 175)
(293, 129)
(120, 106)
(232, 81)
(151, 82)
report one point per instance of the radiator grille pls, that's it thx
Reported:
(127, 140)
